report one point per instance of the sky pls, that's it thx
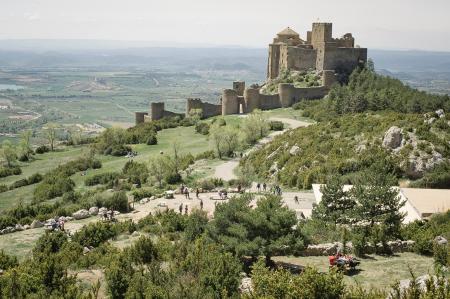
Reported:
(377, 24)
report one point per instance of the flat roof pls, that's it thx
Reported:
(428, 201)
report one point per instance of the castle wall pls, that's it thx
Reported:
(157, 112)
(208, 109)
(300, 59)
(343, 59)
(140, 117)
(267, 102)
(289, 95)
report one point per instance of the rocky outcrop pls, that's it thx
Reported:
(36, 224)
(93, 211)
(81, 214)
(294, 150)
(333, 248)
(440, 240)
(393, 138)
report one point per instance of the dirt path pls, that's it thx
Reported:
(226, 170)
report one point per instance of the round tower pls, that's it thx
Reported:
(230, 104)
(287, 94)
(251, 98)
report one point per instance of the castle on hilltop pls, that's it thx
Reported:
(321, 53)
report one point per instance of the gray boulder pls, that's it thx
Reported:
(36, 224)
(93, 211)
(440, 240)
(81, 214)
(294, 150)
(393, 138)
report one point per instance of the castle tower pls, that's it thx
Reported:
(140, 117)
(230, 103)
(321, 33)
(286, 36)
(239, 86)
(156, 111)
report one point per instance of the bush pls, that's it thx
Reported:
(94, 234)
(3, 188)
(6, 221)
(441, 254)
(118, 202)
(202, 128)
(15, 170)
(152, 140)
(42, 149)
(141, 193)
(276, 125)
(205, 155)
(102, 178)
(173, 178)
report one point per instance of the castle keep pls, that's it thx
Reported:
(322, 53)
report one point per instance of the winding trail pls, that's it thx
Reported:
(226, 170)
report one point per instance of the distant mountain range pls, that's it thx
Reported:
(91, 53)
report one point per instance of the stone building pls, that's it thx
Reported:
(320, 51)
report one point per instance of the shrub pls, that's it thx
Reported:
(118, 202)
(15, 170)
(202, 128)
(141, 193)
(276, 125)
(173, 178)
(94, 234)
(6, 221)
(3, 188)
(441, 254)
(42, 149)
(152, 140)
(205, 155)
(102, 178)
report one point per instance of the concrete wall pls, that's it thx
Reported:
(208, 109)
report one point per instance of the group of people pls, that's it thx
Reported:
(108, 215)
(263, 187)
(223, 194)
(342, 261)
(58, 225)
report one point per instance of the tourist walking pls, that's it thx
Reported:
(201, 204)
(264, 186)
(197, 192)
(186, 209)
(296, 199)
(258, 187)
(180, 208)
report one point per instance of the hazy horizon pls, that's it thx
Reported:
(399, 25)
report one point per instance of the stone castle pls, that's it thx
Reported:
(320, 52)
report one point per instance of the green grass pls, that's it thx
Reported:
(186, 136)
(375, 271)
